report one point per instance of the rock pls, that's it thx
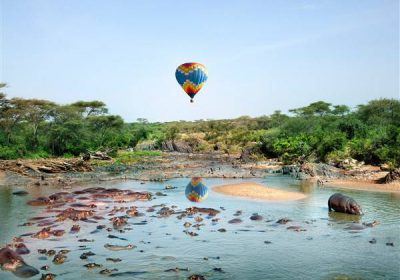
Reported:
(296, 228)
(108, 271)
(191, 233)
(222, 230)
(85, 255)
(283, 221)
(235, 221)
(256, 217)
(176, 269)
(176, 146)
(238, 213)
(113, 260)
(392, 176)
(118, 247)
(20, 193)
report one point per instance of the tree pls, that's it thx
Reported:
(103, 125)
(340, 110)
(319, 108)
(91, 108)
(380, 112)
(35, 111)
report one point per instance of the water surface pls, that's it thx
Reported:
(250, 250)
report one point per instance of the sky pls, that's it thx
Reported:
(261, 55)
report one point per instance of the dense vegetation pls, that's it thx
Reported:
(318, 132)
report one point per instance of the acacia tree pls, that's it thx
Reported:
(90, 108)
(35, 111)
(11, 113)
(319, 108)
(66, 132)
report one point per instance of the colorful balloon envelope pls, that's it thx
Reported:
(196, 191)
(191, 76)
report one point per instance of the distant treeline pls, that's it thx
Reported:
(321, 131)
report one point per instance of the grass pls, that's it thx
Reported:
(126, 157)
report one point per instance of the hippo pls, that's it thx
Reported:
(11, 261)
(344, 204)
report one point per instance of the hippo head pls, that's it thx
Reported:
(11, 261)
(355, 209)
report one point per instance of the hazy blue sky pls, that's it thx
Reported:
(261, 55)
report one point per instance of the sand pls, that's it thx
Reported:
(253, 190)
(364, 185)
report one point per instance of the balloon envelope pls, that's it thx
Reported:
(191, 76)
(196, 191)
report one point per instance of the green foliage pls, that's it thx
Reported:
(320, 131)
(134, 156)
(293, 147)
(9, 153)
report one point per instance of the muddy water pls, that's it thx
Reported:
(249, 250)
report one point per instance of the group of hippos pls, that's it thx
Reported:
(10, 260)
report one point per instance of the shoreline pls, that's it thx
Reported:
(363, 185)
(23, 172)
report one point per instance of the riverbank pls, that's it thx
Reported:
(66, 173)
(251, 190)
(364, 185)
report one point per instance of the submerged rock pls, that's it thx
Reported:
(119, 247)
(108, 271)
(85, 255)
(20, 193)
(283, 221)
(372, 241)
(113, 260)
(235, 221)
(256, 217)
(296, 228)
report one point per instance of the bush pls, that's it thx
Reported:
(9, 153)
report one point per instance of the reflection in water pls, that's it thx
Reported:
(306, 186)
(342, 217)
(6, 223)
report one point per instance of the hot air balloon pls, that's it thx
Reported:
(191, 76)
(196, 191)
